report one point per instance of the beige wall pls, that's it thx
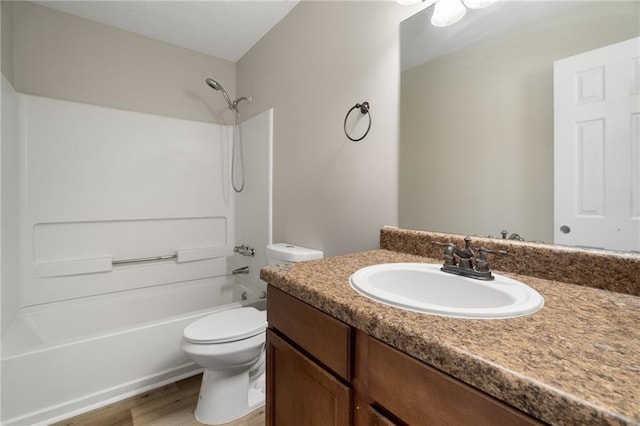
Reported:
(7, 39)
(476, 151)
(323, 58)
(319, 61)
(8, 172)
(66, 57)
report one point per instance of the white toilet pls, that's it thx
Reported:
(229, 345)
(285, 253)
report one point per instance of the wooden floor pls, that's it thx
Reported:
(170, 405)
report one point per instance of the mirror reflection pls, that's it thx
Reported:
(477, 124)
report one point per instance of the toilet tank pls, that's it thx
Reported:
(282, 253)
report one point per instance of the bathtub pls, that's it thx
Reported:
(80, 355)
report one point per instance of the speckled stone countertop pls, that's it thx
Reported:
(608, 270)
(575, 362)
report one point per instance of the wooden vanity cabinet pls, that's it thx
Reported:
(308, 365)
(418, 394)
(376, 418)
(321, 371)
(300, 392)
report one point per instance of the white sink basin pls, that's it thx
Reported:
(423, 287)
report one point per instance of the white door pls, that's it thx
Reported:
(597, 148)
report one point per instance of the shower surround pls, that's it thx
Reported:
(99, 187)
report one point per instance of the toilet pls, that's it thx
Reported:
(230, 346)
(285, 253)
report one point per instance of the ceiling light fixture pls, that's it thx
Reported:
(447, 12)
(478, 4)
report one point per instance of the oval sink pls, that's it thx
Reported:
(423, 287)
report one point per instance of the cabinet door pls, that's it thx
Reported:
(299, 392)
(376, 418)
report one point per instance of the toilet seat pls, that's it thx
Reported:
(227, 326)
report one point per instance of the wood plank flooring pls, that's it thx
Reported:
(170, 405)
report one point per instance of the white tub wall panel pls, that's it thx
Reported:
(121, 278)
(20, 334)
(101, 182)
(72, 381)
(253, 204)
(207, 252)
(127, 239)
(57, 323)
(129, 309)
(63, 377)
(92, 163)
(60, 191)
(9, 212)
(80, 248)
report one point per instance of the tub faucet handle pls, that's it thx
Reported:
(244, 250)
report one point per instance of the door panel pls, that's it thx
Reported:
(596, 148)
(299, 392)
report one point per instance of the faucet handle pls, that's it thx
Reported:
(438, 243)
(482, 264)
(450, 248)
(498, 252)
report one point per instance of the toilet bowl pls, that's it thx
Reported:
(229, 345)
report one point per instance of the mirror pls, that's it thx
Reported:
(477, 115)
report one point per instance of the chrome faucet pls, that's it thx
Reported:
(513, 236)
(465, 262)
(243, 270)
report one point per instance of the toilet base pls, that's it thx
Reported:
(225, 397)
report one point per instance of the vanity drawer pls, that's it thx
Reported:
(430, 397)
(327, 339)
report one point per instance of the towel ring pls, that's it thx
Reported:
(364, 109)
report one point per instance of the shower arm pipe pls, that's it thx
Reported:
(233, 105)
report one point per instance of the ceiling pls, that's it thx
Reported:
(422, 42)
(225, 29)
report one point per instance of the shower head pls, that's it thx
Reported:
(217, 86)
(213, 84)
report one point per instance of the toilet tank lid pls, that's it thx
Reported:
(292, 252)
(227, 326)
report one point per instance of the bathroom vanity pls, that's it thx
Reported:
(322, 371)
(336, 357)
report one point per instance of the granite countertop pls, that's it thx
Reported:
(576, 361)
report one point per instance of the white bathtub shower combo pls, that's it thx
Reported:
(230, 345)
(126, 225)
